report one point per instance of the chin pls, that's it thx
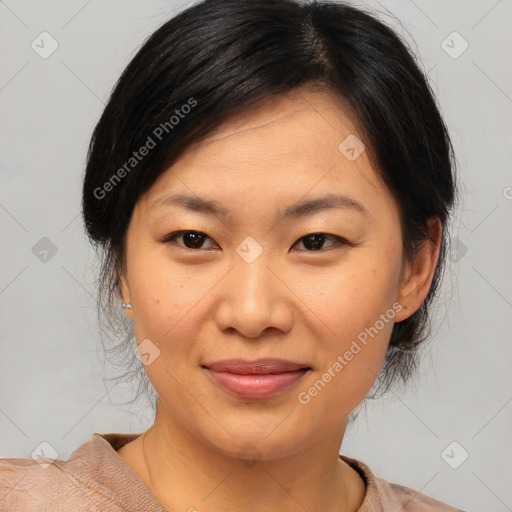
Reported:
(260, 441)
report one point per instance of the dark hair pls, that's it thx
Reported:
(219, 57)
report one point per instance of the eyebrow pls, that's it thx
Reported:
(302, 209)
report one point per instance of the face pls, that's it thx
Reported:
(262, 277)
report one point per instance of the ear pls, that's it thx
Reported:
(124, 291)
(419, 272)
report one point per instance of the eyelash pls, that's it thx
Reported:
(171, 238)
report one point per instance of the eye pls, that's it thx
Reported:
(315, 241)
(191, 239)
(195, 240)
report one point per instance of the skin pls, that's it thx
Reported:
(292, 302)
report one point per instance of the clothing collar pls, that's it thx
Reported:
(124, 484)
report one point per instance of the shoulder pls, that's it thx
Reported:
(58, 485)
(384, 496)
(24, 483)
(409, 500)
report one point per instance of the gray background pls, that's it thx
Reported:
(52, 375)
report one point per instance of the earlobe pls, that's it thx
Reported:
(124, 291)
(420, 272)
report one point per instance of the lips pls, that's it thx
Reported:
(259, 379)
(256, 367)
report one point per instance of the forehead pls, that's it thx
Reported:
(285, 117)
(282, 149)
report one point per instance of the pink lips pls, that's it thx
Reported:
(258, 379)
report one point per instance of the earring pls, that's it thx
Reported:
(127, 305)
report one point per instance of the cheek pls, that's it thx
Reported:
(168, 313)
(357, 310)
(349, 364)
(353, 298)
(164, 293)
(171, 309)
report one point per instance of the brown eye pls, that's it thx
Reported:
(315, 241)
(190, 239)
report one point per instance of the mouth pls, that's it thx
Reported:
(259, 379)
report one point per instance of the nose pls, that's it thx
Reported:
(253, 298)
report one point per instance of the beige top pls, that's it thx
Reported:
(95, 478)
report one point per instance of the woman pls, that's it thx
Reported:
(270, 186)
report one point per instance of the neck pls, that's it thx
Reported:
(184, 473)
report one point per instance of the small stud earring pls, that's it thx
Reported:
(127, 305)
